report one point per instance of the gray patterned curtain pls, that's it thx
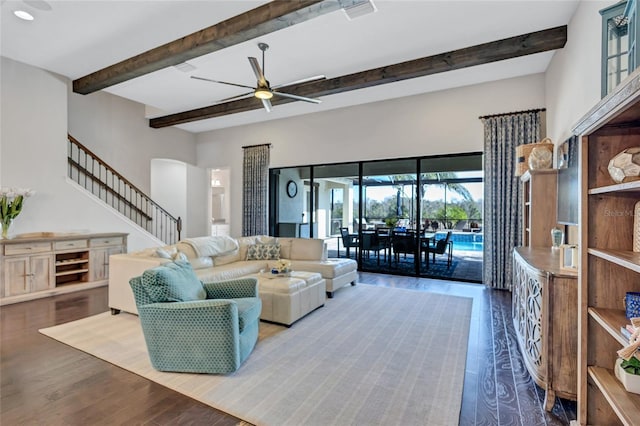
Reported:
(502, 191)
(255, 202)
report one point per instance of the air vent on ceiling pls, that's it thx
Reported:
(359, 9)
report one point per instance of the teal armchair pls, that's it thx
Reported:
(193, 327)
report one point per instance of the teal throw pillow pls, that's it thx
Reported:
(173, 282)
(263, 252)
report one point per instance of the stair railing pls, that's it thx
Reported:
(97, 177)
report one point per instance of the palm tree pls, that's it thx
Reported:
(432, 178)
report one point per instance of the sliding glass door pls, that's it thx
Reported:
(418, 216)
(388, 225)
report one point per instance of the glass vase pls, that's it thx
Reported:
(557, 237)
(6, 224)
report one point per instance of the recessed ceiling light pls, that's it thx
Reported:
(23, 15)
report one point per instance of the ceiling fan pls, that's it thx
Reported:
(263, 89)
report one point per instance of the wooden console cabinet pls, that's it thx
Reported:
(544, 310)
(45, 264)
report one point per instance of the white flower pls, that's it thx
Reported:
(11, 202)
(11, 193)
(283, 264)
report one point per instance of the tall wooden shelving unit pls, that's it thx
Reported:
(608, 266)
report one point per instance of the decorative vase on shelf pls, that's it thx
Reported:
(540, 158)
(6, 224)
(625, 166)
(557, 237)
(631, 382)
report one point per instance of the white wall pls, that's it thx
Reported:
(168, 187)
(435, 123)
(198, 187)
(33, 154)
(572, 81)
(116, 130)
(183, 191)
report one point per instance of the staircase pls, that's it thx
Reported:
(89, 171)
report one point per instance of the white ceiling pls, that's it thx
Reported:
(75, 38)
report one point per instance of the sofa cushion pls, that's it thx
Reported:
(231, 270)
(173, 282)
(227, 258)
(330, 268)
(201, 262)
(263, 252)
(285, 247)
(307, 249)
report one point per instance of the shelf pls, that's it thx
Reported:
(71, 272)
(633, 186)
(624, 258)
(611, 320)
(71, 262)
(626, 405)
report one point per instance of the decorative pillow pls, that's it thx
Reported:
(173, 282)
(263, 252)
(172, 254)
(201, 262)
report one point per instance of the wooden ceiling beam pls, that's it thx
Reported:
(513, 47)
(270, 17)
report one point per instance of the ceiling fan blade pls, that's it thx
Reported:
(299, 98)
(222, 82)
(233, 98)
(257, 70)
(304, 80)
(266, 103)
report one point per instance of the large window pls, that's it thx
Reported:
(395, 208)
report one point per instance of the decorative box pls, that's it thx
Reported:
(632, 305)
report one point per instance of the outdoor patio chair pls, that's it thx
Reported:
(403, 243)
(372, 242)
(349, 241)
(442, 246)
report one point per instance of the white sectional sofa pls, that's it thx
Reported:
(224, 258)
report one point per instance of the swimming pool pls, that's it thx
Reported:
(466, 246)
(468, 241)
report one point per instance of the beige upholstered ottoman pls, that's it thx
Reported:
(287, 299)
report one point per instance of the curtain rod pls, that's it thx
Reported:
(510, 113)
(255, 146)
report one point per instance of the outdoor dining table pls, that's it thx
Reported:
(424, 242)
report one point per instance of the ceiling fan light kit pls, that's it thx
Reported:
(263, 90)
(263, 93)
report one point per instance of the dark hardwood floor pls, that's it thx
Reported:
(46, 382)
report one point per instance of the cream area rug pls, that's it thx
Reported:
(370, 356)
